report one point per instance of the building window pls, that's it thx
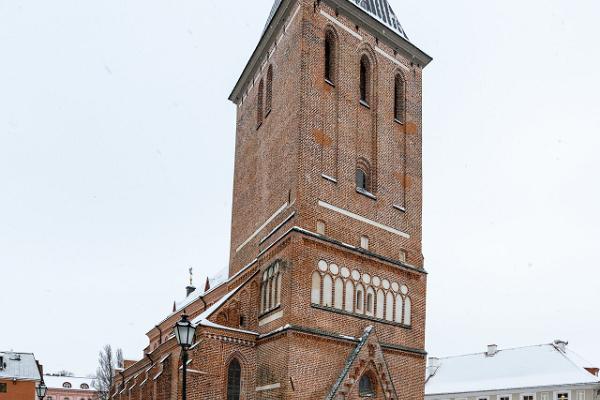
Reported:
(528, 397)
(562, 396)
(259, 103)
(361, 180)
(365, 387)
(2, 387)
(67, 385)
(320, 227)
(403, 256)
(581, 395)
(85, 386)
(364, 242)
(330, 57)
(327, 291)
(270, 292)
(269, 97)
(316, 288)
(505, 397)
(370, 301)
(399, 98)
(365, 80)
(360, 299)
(234, 380)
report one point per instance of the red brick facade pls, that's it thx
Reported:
(307, 312)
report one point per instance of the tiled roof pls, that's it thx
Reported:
(524, 367)
(20, 366)
(378, 9)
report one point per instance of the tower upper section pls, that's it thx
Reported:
(328, 136)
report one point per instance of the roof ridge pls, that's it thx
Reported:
(499, 351)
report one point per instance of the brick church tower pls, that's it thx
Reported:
(325, 296)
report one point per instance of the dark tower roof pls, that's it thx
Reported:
(378, 9)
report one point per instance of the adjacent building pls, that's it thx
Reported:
(543, 372)
(325, 292)
(70, 388)
(20, 373)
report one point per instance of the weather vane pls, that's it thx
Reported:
(191, 276)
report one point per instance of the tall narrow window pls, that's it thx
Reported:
(270, 292)
(360, 299)
(330, 57)
(389, 306)
(349, 296)
(338, 300)
(361, 179)
(259, 103)
(234, 380)
(408, 313)
(380, 304)
(315, 296)
(365, 80)
(269, 97)
(399, 309)
(370, 302)
(327, 291)
(399, 99)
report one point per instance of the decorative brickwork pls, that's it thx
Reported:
(307, 311)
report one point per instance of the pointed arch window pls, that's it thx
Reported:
(365, 80)
(330, 57)
(234, 380)
(366, 387)
(407, 312)
(315, 296)
(259, 103)
(363, 175)
(271, 288)
(399, 99)
(269, 96)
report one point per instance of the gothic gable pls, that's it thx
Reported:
(366, 360)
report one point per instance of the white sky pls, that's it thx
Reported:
(116, 162)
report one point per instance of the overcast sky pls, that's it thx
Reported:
(116, 163)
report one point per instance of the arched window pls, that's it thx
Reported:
(399, 308)
(365, 79)
(399, 98)
(67, 385)
(370, 302)
(327, 291)
(366, 387)
(269, 97)
(271, 288)
(380, 304)
(361, 179)
(389, 306)
(338, 301)
(84, 386)
(234, 380)
(349, 296)
(315, 296)
(360, 299)
(330, 57)
(407, 311)
(259, 103)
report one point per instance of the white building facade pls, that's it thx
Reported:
(542, 372)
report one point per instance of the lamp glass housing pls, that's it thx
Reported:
(185, 332)
(41, 390)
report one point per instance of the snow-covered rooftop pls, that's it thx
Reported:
(216, 281)
(518, 368)
(21, 366)
(76, 382)
(378, 9)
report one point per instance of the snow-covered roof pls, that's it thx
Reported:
(77, 382)
(216, 281)
(378, 9)
(519, 368)
(202, 319)
(21, 366)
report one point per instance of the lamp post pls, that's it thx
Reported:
(41, 390)
(184, 332)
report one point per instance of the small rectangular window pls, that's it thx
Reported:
(581, 395)
(562, 396)
(2, 387)
(528, 397)
(403, 257)
(364, 242)
(320, 227)
(503, 397)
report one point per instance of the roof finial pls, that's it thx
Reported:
(191, 276)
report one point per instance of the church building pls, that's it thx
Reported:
(325, 294)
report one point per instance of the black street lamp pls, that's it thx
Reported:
(184, 332)
(41, 390)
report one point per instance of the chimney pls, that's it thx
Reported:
(432, 366)
(561, 345)
(492, 350)
(189, 290)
